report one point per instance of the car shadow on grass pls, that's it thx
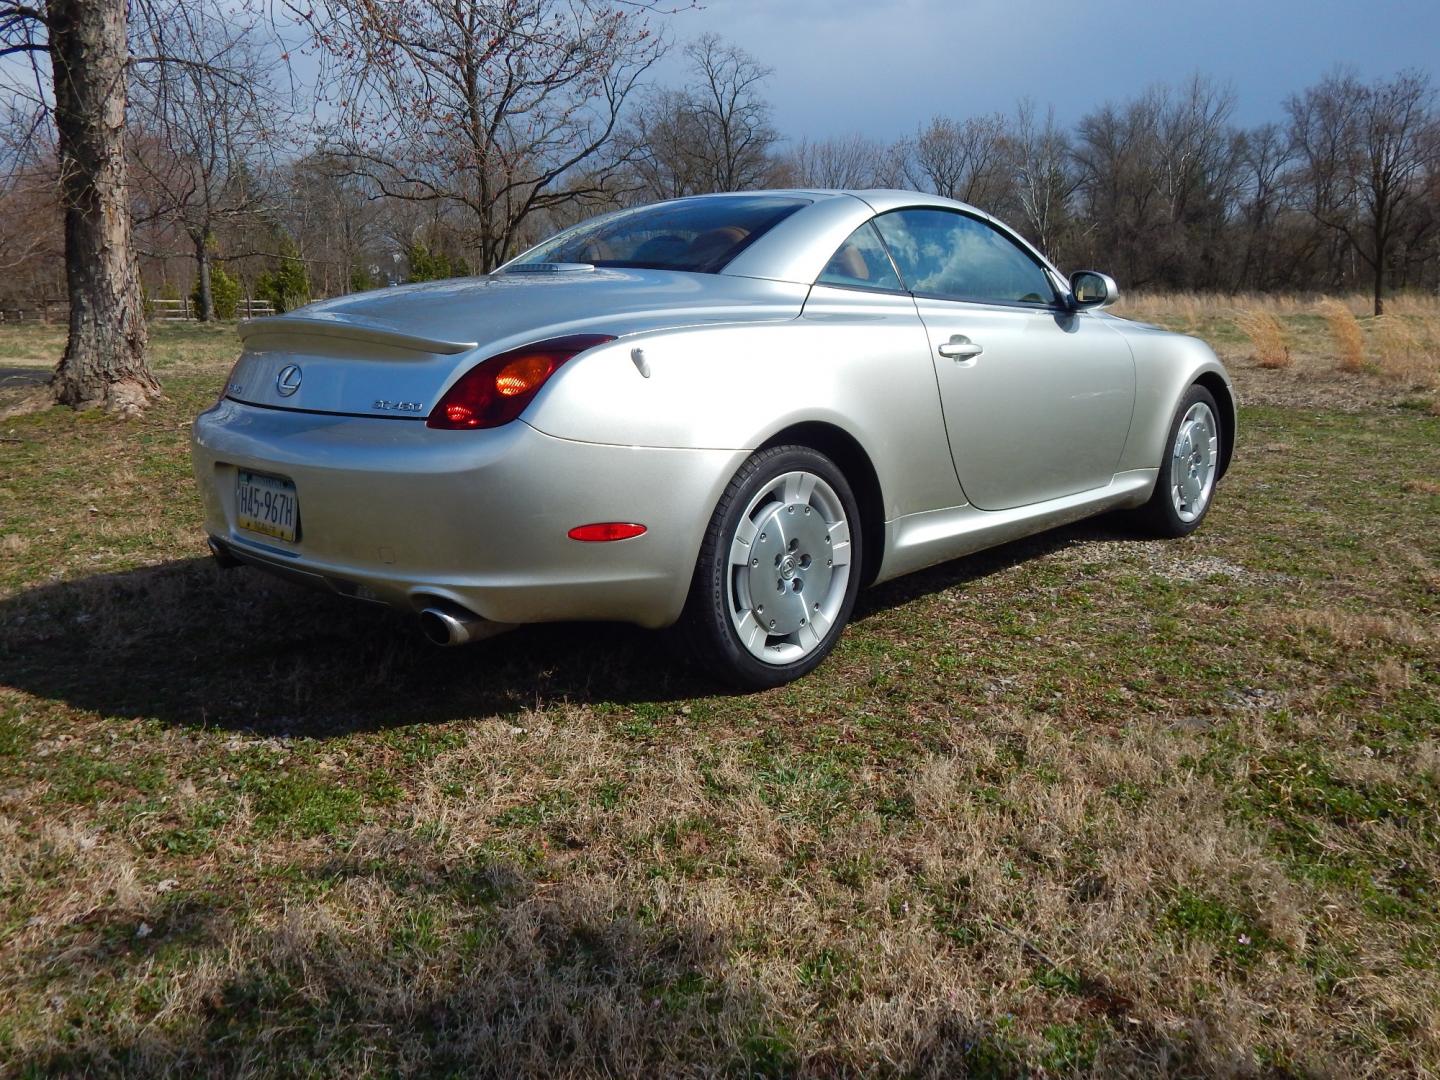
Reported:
(190, 644)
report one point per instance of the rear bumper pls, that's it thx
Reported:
(395, 512)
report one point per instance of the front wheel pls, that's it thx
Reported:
(778, 571)
(1191, 465)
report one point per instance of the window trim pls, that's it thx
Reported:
(1055, 304)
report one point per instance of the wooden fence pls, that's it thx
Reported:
(45, 311)
(58, 311)
(182, 310)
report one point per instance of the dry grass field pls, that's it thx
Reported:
(1082, 805)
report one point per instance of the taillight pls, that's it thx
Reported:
(496, 390)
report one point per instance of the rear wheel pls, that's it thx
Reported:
(778, 570)
(1189, 469)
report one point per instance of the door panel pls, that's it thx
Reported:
(1037, 398)
(1042, 411)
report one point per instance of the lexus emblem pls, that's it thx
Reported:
(288, 381)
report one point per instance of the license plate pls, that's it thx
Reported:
(267, 504)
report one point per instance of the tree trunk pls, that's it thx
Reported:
(205, 312)
(104, 362)
(1380, 246)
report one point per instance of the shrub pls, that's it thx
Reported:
(360, 279)
(427, 265)
(1349, 341)
(1267, 338)
(288, 286)
(224, 290)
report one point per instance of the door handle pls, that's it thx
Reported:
(960, 347)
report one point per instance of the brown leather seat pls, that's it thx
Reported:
(711, 246)
(848, 263)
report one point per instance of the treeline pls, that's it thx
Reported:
(454, 134)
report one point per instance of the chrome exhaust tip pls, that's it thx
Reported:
(447, 626)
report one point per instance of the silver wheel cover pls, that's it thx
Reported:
(1193, 460)
(789, 568)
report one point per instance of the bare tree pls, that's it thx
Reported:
(962, 160)
(1044, 176)
(1424, 241)
(335, 221)
(1364, 151)
(29, 212)
(485, 105)
(733, 120)
(1195, 154)
(204, 124)
(851, 161)
(661, 147)
(27, 208)
(1158, 183)
(1263, 157)
(1118, 187)
(104, 361)
(713, 135)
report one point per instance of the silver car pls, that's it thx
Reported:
(723, 413)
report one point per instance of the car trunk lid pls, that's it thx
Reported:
(393, 353)
(343, 364)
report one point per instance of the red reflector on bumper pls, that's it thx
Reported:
(606, 530)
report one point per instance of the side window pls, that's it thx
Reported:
(861, 261)
(951, 255)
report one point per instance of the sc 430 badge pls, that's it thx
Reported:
(399, 406)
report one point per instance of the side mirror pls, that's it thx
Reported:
(1089, 289)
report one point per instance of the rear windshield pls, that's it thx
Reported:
(700, 235)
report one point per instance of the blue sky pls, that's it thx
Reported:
(880, 67)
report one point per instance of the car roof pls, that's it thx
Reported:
(797, 248)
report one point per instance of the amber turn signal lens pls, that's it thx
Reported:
(523, 375)
(606, 530)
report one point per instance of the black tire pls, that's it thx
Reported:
(706, 631)
(1160, 516)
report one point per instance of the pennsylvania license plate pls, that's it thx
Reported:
(266, 504)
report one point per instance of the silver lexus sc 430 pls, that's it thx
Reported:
(725, 413)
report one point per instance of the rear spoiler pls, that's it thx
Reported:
(349, 327)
